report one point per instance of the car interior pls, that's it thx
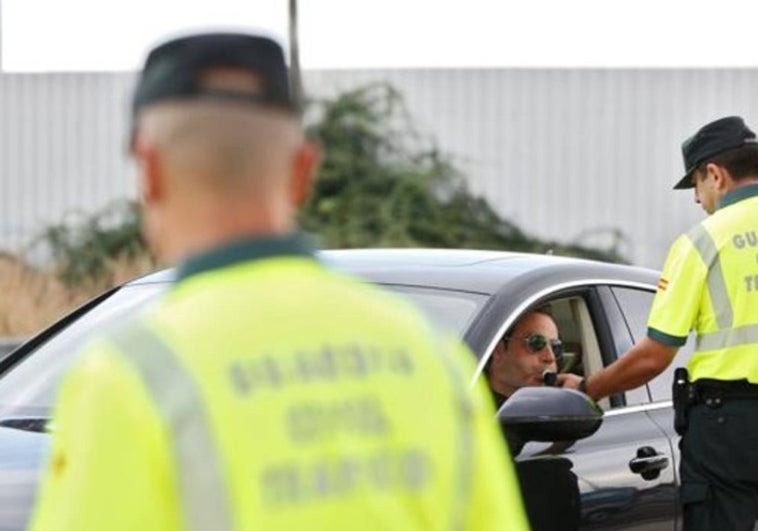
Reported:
(581, 350)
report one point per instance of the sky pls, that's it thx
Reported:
(114, 35)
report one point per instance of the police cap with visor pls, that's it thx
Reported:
(713, 139)
(174, 71)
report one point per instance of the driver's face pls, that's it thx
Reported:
(515, 364)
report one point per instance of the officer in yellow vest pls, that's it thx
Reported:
(709, 285)
(264, 391)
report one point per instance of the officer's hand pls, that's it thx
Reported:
(569, 381)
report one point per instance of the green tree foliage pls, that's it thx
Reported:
(379, 185)
(83, 246)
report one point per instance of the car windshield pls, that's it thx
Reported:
(451, 311)
(29, 388)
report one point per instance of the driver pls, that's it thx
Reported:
(523, 356)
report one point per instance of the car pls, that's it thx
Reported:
(620, 474)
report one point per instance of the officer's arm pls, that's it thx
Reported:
(672, 316)
(643, 362)
(108, 468)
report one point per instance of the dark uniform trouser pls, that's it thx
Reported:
(719, 468)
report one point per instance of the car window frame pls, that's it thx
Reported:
(596, 297)
(49, 332)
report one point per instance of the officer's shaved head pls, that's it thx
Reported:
(219, 147)
(214, 168)
(231, 146)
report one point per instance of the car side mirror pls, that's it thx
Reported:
(548, 414)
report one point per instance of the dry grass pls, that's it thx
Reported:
(33, 298)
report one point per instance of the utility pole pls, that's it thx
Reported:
(1, 37)
(295, 74)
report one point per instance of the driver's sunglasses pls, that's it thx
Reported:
(536, 343)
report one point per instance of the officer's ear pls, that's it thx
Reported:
(305, 165)
(719, 176)
(149, 181)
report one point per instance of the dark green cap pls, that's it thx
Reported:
(712, 139)
(173, 70)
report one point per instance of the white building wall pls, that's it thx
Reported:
(61, 149)
(564, 153)
(567, 153)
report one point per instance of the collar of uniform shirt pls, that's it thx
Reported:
(738, 194)
(296, 244)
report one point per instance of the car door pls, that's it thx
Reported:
(635, 304)
(625, 472)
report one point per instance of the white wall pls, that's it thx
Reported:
(565, 152)
(561, 152)
(61, 149)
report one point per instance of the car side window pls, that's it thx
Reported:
(514, 369)
(635, 304)
(577, 331)
(582, 328)
(587, 342)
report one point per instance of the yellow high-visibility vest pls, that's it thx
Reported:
(274, 394)
(710, 285)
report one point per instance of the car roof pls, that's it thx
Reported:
(477, 271)
(473, 270)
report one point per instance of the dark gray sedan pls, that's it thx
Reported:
(624, 475)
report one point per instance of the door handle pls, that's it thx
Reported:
(648, 463)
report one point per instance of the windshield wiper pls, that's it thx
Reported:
(34, 424)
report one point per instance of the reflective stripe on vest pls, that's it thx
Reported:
(203, 492)
(732, 337)
(706, 247)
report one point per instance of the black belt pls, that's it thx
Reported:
(707, 390)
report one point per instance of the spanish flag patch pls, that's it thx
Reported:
(662, 284)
